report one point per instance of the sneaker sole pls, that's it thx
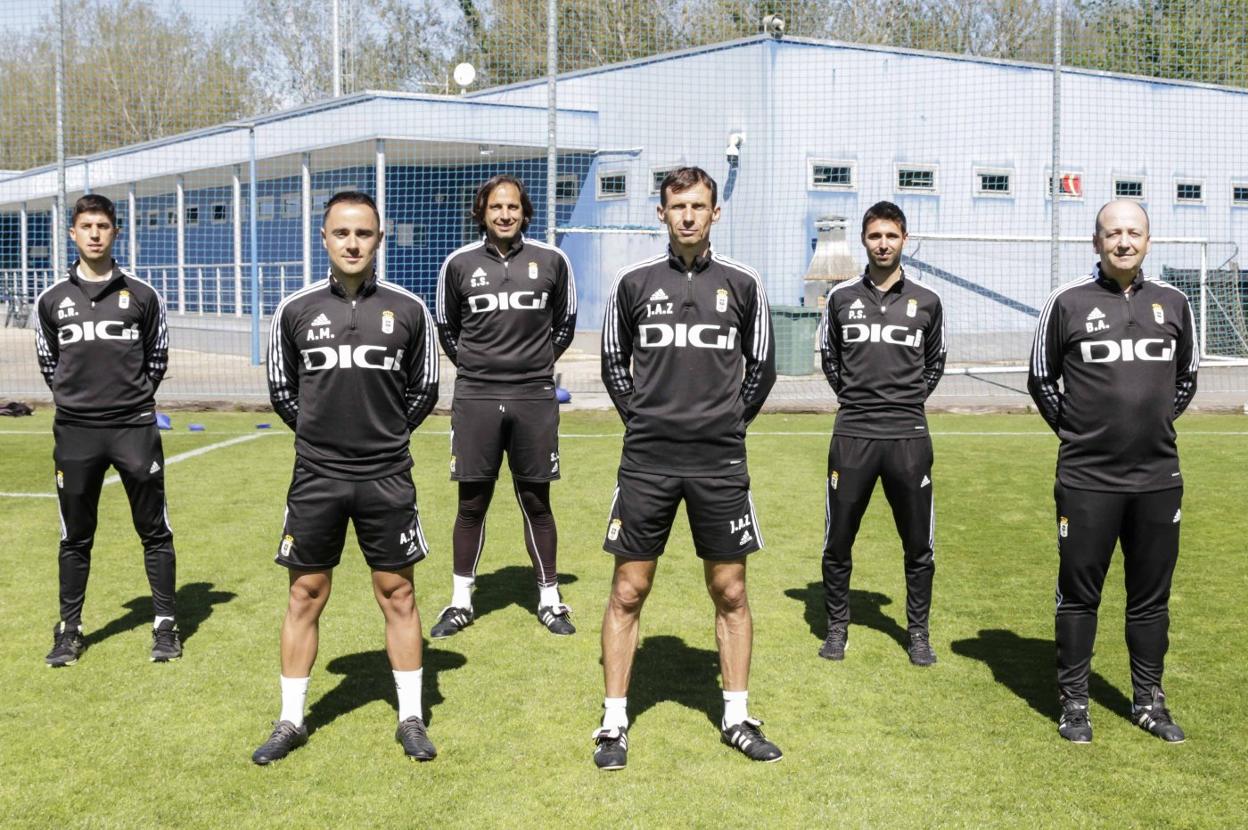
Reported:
(73, 662)
(164, 659)
(612, 767)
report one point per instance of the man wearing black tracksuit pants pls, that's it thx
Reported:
(882, 343)
(1113, 365)
(506, 311)
(103, 346)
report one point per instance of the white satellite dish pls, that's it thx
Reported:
(464, 75)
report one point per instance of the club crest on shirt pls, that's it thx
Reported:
(123, 299)
(387, 322)
(532, 270)
(1158, 314)
(721, 300)
(613, 532)
(1063, 527)
(912, 307)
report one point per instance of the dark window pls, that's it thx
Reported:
(612, 184)
(192, 215)
(1128, 189)
(1239, 194)
(567, 190)
(911, 179)
(994, 182)
(1188, 192)
(220, 213)
(831, 175)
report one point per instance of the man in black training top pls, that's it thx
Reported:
(353, 370)
(506, 311)
(103, 348)
(882, 341)
(688, 360)
(1123, 348)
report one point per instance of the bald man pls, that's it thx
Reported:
(1113, 365)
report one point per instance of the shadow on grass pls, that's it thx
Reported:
(1027, 667)
(865, 608)
(194, 603)
(667, 669)
(512, 585)
(366, 677)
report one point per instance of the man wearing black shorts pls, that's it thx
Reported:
(103, 348)
(353, 370)
(688, 360)
(882, 341)
(506, 311)
(1113, 365)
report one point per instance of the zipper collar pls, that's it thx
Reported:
(700, 262)
(115, 277)
(367, 287)
(896, 288)
(516, 247)
(1111, 284)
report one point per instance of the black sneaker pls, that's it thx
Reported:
(67, 646)
(286, 738)
(833, 647)
(166, 645)
(556, 619)
(1074, 725)
(749, 740)
(416, 744)
(920, 649)
(1155, 718)
(611, 747)
(452, 620)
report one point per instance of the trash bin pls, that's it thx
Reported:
(794, 327)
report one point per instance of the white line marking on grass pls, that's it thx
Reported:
(171, 460)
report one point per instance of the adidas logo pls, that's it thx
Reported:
(857, 304)
(480, 272)
(321, 320)
(66, 303)
(155, 468)
(926, 481)
(658, 296)
(1096, 314)
(746, 538)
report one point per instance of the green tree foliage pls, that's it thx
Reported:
(133, 72)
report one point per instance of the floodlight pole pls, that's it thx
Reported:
(337, 51)
(1055, 178)
(552, 113)
(256, 303)
(60, 264)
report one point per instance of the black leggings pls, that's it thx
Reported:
(540, 536)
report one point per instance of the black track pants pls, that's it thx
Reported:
(83, 455)
(1089, 523)
(905, 467)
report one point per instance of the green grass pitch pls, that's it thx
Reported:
(872, 742)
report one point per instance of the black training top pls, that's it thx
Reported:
(702, 362)
(883, 354)
(353, 377)
(505, 320)
(1127, 365)
(103, 348)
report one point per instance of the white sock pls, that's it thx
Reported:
(735, 708)
(461, 591)
(615, 714)
(294, 696)
(549, 596)
(159, 620)
(407, 685)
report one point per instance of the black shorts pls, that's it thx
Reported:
(482, 428)
(720, 510)
(383, 510)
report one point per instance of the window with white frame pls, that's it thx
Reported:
(220, 212)
(1070, 185)
(171, 217)
(1189, 192)
(831, 175)
(192, 215)
(292, 205)
(1129, 187)
(567, 189)
(612, 185)
(657, 175)
(265, 208)
(153, 218)
(1239, 194)
(994, 181)
(916, 178)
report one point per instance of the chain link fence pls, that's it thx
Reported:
(221, 127)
